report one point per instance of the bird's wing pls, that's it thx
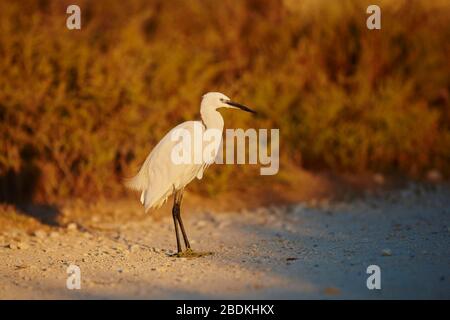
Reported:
(159, 175)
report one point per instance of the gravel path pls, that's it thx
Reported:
(304, 251)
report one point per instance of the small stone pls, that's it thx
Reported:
(434, 176)
(223, 224)
(378, 178)
(386, 252)
(331, 291)
(12, 246)
(40, 234)
(291, 259)
(161, 269)
(134, 248)
(22, 245)
(72, 226)
(87, 235)
(201, 224)
(54, 234)
(21, 266)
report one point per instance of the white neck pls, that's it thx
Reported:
(211, 118)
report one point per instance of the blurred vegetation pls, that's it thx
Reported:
(81, 109)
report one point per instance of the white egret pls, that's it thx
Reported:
(159, 177)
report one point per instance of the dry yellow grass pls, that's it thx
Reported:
(81, 109)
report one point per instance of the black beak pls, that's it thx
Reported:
(240, 106)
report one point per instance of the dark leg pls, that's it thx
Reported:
(185, 238)
(175, 211)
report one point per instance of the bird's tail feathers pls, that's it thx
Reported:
(141, 180)
(136, 183)
(151, 202)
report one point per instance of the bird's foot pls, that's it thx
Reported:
(189, 253)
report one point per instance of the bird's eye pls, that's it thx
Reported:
(222, 100)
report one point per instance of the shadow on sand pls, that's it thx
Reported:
(18, 189)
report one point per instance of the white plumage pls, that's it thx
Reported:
(159, 177)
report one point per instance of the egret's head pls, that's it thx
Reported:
(216, 100)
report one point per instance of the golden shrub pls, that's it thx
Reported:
(81, 109)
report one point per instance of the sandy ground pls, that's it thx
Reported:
(313, 250)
